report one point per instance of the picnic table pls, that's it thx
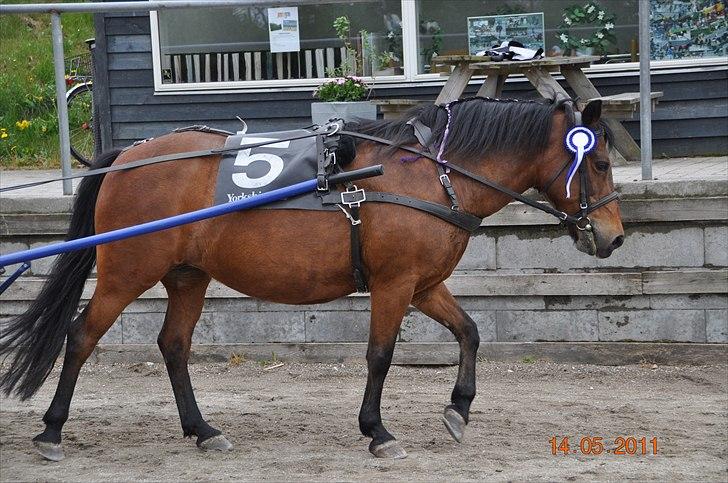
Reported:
(540, 75)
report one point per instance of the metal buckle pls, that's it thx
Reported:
(445, 180)
(583, 206)
(325, 186)
(563, 216)
(353, 197)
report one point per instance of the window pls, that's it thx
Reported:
(443, 32)
(244, 43)
(393, 41)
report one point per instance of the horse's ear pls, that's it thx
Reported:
(591, 113)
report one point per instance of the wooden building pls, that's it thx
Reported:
(207, 66)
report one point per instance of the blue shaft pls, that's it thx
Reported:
(9, 281)
(157, 225)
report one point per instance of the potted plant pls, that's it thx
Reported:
(344, 98)
(345, 95)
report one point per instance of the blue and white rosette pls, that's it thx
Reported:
(580, 140)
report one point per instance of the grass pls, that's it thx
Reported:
(28, 119)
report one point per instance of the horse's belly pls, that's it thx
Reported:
(284, 256)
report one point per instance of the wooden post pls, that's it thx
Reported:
(456, 84)
(583, 88)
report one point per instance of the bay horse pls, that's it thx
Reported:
(302, 257)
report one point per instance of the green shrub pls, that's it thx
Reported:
(342, 89)
(28, 119)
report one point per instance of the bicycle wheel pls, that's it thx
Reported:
(81, 123)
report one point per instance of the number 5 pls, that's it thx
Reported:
(244, 158)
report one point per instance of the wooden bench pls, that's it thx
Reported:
(625, 105)
(394, 108)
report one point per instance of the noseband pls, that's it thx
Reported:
(585, 142)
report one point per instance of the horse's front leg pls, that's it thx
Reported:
(389, 304)
(439, 304)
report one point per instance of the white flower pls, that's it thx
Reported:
(600, 35)
(583, 41)
(608, 26)
(590, 9)
(600, 15)
(564, 38)
(567, 20)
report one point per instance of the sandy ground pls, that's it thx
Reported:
(299, 422)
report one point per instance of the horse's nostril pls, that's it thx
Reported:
(617, 242)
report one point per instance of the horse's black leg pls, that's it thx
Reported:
(83, 336)
(439, 304)
(389, 304)
(186, 290)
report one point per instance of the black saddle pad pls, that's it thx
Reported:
(250, 172)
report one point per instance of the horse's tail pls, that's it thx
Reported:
(34, 339)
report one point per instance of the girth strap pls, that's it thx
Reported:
(466, 221)
(357, 265)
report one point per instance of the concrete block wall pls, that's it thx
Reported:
(521, 280)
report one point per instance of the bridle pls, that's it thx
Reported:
(581, 220)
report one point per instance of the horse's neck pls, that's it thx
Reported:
(483, 201)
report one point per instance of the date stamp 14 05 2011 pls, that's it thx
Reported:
(596, 445)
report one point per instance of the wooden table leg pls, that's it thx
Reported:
(493, 85)
(455, 85)
(544, 83)
(583, 88)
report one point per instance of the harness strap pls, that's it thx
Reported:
(322, 182)
(424, 137)
(158, 159)
(357, 264)
(466, 221)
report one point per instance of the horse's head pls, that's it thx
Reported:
(598, 230)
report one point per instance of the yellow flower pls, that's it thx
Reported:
(22, 124)
(3, 135)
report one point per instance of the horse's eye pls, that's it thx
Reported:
(602, 166)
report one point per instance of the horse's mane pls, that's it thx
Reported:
(478, 125)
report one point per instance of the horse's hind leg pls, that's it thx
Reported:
(439, 304)
(186, 289)
(84, 333)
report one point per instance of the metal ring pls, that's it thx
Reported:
(583, 224)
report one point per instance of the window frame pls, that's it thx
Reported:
(410, 78)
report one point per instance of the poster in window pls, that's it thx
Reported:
(688, 28)
(283, 29)
(489, 31)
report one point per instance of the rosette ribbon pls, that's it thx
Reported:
(580, 140)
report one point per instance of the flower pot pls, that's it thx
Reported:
(321, 112)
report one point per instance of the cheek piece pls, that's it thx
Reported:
(580, 141)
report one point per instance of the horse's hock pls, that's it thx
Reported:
(520, 280)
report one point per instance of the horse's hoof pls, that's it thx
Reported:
(50, 451)
(390, 449)
(219, 443)
(454, 423)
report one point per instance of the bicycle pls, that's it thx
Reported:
(83, 131)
